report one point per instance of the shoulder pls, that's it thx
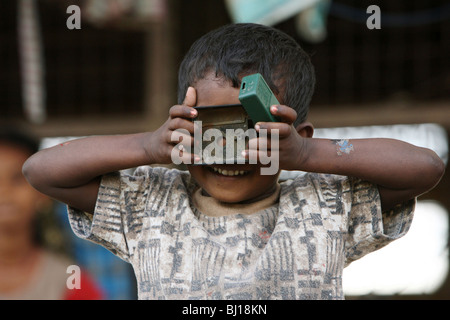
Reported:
(316, 181)
(144, 177)
(146, 186)
(163, 172)
(338, 193)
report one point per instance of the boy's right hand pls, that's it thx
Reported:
(71, 172)
(177, 130)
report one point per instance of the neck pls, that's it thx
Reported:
(268, 193)
(214, 208)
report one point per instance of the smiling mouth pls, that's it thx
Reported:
(228, 172)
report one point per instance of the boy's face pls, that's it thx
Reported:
(247, 184)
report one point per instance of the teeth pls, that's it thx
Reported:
(226, 172)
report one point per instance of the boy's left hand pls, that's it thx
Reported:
(400, 170)
(289, 148)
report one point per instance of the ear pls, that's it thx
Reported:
(305, 129)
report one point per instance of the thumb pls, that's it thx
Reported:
(191, 97)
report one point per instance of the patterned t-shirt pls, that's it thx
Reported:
(296, 249)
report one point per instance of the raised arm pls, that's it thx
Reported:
(71, 172)
(401, 170)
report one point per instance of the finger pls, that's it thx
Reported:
(180, 136)
(191, 97)
(187, 136)
(180, 155)
(257, 156)
(274, 128)
(182, 150)
(263, 144)
(285, 113)
(181, 123)
(182, 111)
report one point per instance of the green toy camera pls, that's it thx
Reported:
(256, 97)
(226, 129)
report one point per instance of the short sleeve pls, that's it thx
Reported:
(120, 199)
(370, 229)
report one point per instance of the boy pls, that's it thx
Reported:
(227, 231)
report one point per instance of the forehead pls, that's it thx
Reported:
(212, 90)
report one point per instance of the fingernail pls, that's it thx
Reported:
(257, 127)
(274, 108)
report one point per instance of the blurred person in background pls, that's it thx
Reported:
(32, 263)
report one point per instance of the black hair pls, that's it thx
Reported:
(20, 138)
(236, 50)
